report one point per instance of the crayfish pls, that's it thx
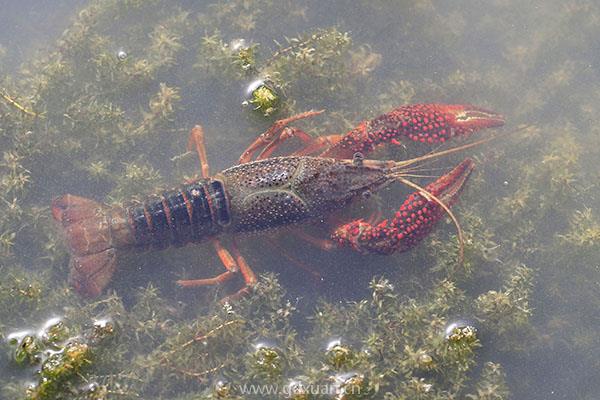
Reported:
(263, 193)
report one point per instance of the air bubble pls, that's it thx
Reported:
(103, 328)
(243, 53)
(339, 353)
(238, 44)
(262, 95)
(122, 54)
(15, 337)
(266, 359)
(460, 331)
(53, 331)
(297, 389)
(349, 384)
(222, 388)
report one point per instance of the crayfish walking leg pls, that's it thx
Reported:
(233, 263)
(268, 141)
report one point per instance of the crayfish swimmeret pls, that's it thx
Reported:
(275, 192)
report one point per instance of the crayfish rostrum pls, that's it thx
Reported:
(263, 193)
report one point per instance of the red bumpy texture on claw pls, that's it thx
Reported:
(427, 123)
(412, 222)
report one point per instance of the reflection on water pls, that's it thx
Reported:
(97, 99)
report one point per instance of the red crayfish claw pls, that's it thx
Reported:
(426, 123)
(413, 221)
(466, 118)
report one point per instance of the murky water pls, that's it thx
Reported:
(98, 99)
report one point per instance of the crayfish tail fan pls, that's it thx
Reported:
(90, 274)
(87, 229)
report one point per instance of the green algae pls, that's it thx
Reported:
(85, 118)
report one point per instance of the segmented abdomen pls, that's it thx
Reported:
(190, 213)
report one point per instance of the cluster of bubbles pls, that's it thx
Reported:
(261, 94)
(33, 347)
(267, 360)
(341, 356)
(54, 354)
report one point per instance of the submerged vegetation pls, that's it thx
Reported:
(106, 114)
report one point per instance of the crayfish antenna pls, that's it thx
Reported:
(430, 196)
(400, 165)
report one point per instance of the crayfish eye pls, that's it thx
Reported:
(357, 159)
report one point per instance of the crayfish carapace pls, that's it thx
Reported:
(277, 192)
